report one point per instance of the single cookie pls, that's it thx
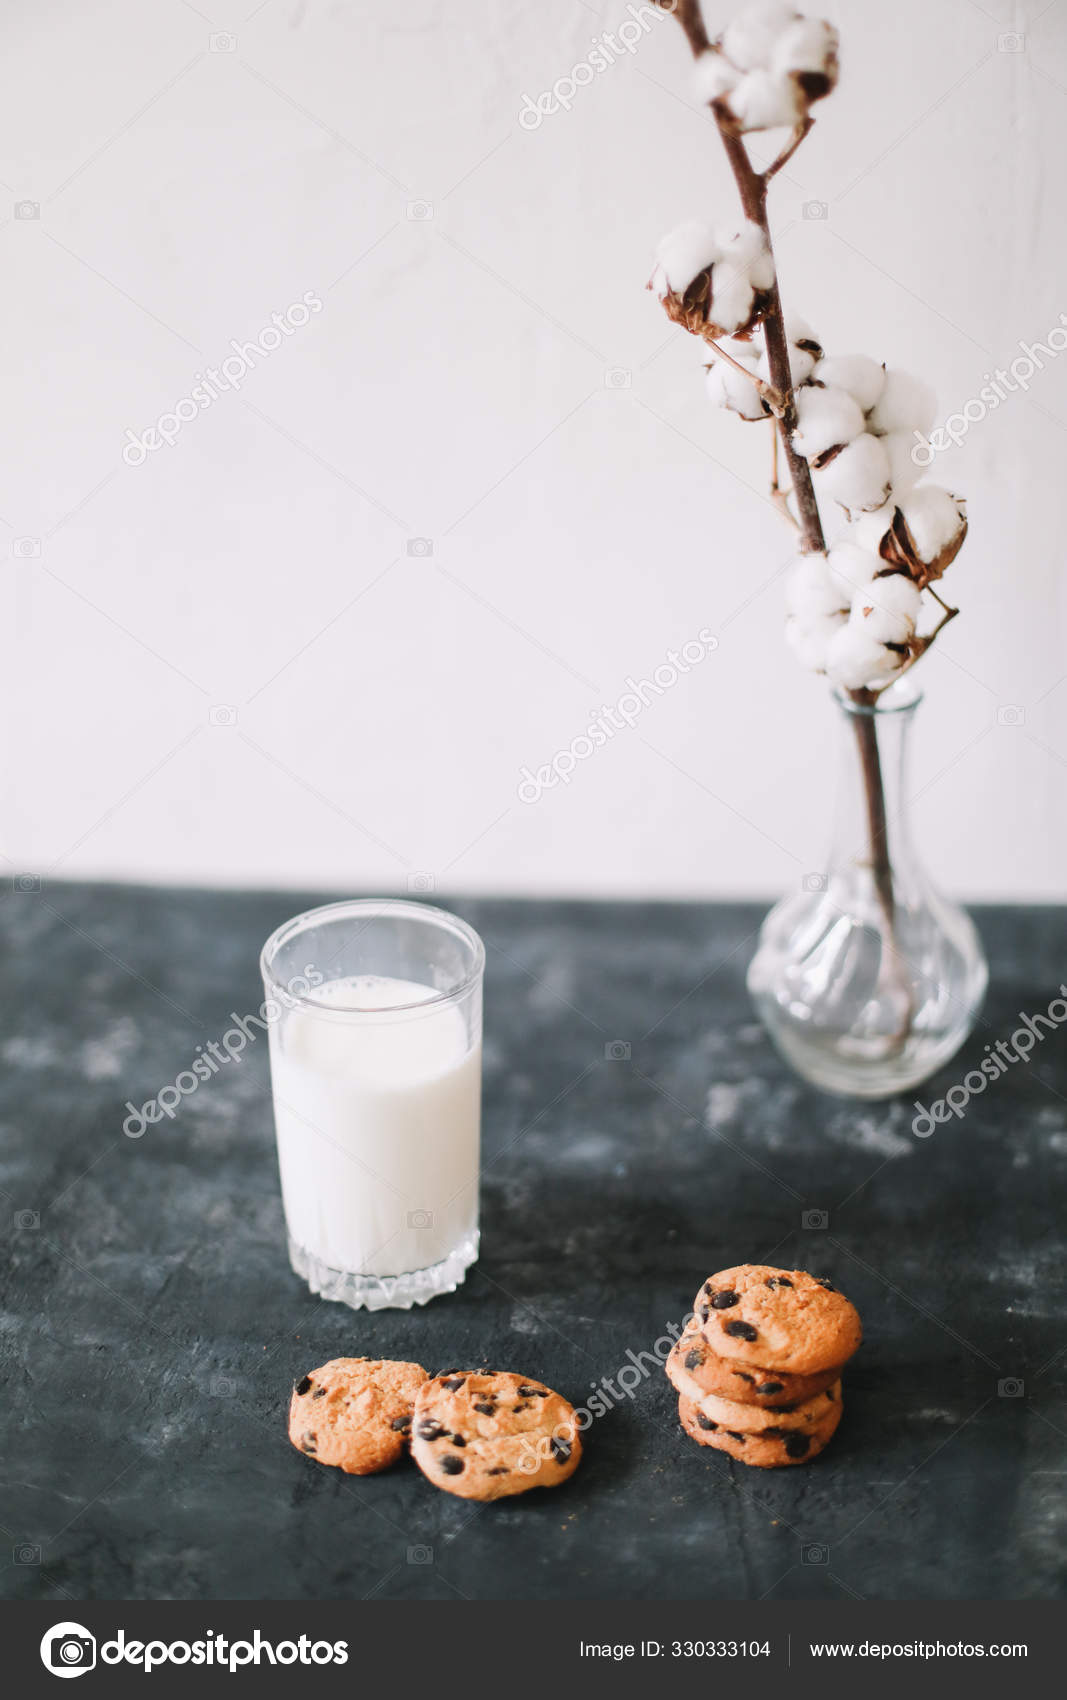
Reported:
(778, 1319)
(355, 1413)
(695, 1370)
(769, 1450)
(483, 1436)
(805, 1418)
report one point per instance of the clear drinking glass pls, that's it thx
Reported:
(867, 979)
(376, 1066)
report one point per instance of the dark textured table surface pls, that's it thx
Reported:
(151, 1327)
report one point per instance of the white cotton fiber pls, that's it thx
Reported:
(729, 388)
(934, 518)
(681, 255)
(763, 100)
(905, 404)
(852, 567)
(810, 639)
(811, 589)
(867, 530)
(807, 44)
(862, 377)
(751, 38)
(801, 365)
(731, 298)
(825, 417)
(855, 659)
(746, 251)
(858, 477)
(713, 77)
(903, 472)
(887, 608)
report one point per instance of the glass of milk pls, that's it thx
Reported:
(376, 1071)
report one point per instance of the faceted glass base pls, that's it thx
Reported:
(385, 1292)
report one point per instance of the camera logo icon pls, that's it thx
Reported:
(420, 211)
(1010, 1387)
(27, 1221)
(1011, 42)
(27, 209)
(814, 1553)
(618, 378)
(1011, 714)
(26, 882)
(616, 1050)
(222, 1387)
(26, 548)
(420, 1219)
(420, 547)
(814, 882)
(420, 1555)
(815, 1219)
(422, 881)
(25, 1554)
(223, 714)
(223, 42)
(816, 210)
(68, 1649)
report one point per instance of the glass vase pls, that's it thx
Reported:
(867, 979)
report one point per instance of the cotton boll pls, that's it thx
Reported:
(801, 365)
(681, 255)
(862, 377)
(887, 608)
(903, 472)
(810, 639)
(731, 389)
(867, 530)
(764, 101)
(713, 77)
(854, 659)
(808, 49)
(905, 404)
(852, 567)
(811, 589)
(935, 519)
(858, 477)
(751, 38)
(826, 418)
(731, 298)
(798, 330)
(746, 251)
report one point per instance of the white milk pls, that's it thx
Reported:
(378, 1127)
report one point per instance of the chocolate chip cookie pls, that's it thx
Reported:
(778, 1319)
(485, 1436)
(355, 1413)
(804, 1418)
(695, 1370)
(770, 1449)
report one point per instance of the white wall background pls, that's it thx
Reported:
(456, 386)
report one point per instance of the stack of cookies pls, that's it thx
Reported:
(758, 1368)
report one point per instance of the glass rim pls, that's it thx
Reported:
(909, 696)
(427, 913)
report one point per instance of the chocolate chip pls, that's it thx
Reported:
(319, 1393)
(797, 1445)
(523, 1405)
(694, 1359)
(708, 1288)
(704, 1312)
(429, 1430)
(532, 1393)
(486, 1409)
(778, 1281)
(498, 1470)
(458, 1440)
(303, 1387)
(452, 1382)
(724, 1300)
(400, 1423)
(830, 1394)
(743, 1375)
(740, 1330)
(787, 1410)
(824, 1281)
(768, 1387)
(773, 1433)
(735, 1436)
(706, 1422)
(309, 1441)
(450, 1466)
(561, 1450)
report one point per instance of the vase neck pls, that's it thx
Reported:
(871, 821)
